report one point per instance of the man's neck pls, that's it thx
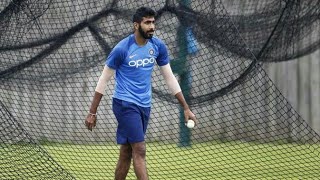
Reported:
(139, 39)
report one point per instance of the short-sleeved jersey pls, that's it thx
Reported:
(134, 65)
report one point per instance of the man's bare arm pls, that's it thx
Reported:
(106, 75)
(175, 89)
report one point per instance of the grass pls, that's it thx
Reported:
(215, 160)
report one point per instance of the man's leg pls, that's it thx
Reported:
(139, 160)
(123, 162)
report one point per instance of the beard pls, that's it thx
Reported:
(145, 34)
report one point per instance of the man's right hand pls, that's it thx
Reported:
(91, 121)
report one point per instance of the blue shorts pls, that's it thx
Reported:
(132, 121)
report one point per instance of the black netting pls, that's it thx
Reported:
(53, 51)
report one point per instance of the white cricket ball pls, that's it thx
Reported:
(190, 123)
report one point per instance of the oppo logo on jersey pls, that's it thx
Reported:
(141, 62)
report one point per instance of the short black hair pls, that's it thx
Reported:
(143, 12)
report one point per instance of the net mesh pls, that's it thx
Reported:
(53, 51)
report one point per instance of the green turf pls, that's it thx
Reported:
(217, 160)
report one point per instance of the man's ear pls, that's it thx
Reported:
(136, 25)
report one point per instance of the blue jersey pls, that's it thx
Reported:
(134, 65)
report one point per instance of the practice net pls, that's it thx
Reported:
(53, 51)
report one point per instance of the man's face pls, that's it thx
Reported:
(147, 27)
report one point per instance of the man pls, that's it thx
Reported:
(132, 60)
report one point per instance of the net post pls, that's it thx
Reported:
(185, 80)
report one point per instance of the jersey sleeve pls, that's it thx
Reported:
(115, 58)
(163, 57)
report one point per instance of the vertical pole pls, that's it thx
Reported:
(184, 78)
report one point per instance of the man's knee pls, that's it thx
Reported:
(126, 152)
(139, 149)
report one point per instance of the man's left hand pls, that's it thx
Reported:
(189, 115)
